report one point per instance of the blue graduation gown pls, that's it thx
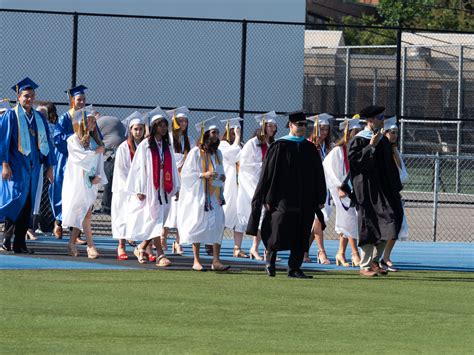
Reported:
(62, 131)
(25, 169)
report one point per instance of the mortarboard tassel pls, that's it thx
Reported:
(346, 131)
(175, 122)
(227, 131)
(264, 121)
(84, 119)
(201, 140)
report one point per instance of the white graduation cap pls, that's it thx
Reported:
(206, 125)
(231, 123)
(320, 120)
(269, 117)
(83, 113)
(180, 112)
(4, 105)
(353, 123)
(156, 114)
(390, 123)
(134, 118)
(323, 119)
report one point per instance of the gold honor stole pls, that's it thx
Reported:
(24, 143)
(209, 189)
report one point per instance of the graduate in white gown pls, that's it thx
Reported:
(250, 167)
(135, 124)
(181, 147)
(82, 175)
(152, 182)
(336, 170)
(321, 138)
(201, 218)
(231, 146)
(391, 132)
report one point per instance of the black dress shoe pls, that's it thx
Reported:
(270, 269)
(298, 274)
(23, 251)
(6, 245)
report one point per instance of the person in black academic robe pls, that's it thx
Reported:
(376, 184)
(292, 189)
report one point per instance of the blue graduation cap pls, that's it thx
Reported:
(25, 84)
(77, 90)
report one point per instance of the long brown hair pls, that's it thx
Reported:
(177, 133)
(207, 145)
(352, 134)
(262, 138)
(165, 140)
(327, 141)
(85, 136)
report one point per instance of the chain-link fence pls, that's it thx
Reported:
(230, 68)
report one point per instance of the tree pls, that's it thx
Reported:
(426, 14)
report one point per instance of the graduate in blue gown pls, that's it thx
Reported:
(62, 132)
(24, 146)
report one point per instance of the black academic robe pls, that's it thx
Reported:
(377, 187)
(292, 183)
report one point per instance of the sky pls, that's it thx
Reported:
(276, 10)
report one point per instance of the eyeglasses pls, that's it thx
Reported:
(301, 123)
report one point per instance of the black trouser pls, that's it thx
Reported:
(107, 195)
(19, 227)
(294, 261)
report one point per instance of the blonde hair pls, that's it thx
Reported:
(85, 135)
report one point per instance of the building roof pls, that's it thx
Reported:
(439, 44)
(314, 40)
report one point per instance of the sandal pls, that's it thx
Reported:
(92, 253)
(73, 251)
(163, 261)
(177, 249)
(238, 253)
(132, 243)
(323, 258)
(220, 267)
(355, 260)
(141, 255)
(149, 252)
(122, 256)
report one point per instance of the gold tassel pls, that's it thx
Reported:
(227, 131)
(346, 131)
(316, 127)
(262, 132)
(84, 120)
(201, 140)
(175, 122)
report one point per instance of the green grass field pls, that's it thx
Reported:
(187, 312)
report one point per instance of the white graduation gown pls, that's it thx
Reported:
(120, 195)
(196, 225)
(39, 191)
(231, 155)
(403, 235)
(327, 209)
(335, 173)
(146, 218)
(249, 174)
(171, 220)
(77, 196)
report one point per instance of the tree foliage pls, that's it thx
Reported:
(426, 14)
